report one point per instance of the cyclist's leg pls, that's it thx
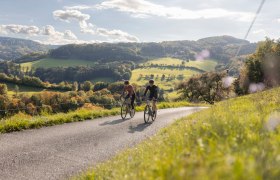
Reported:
(154, 105)
(132, 101)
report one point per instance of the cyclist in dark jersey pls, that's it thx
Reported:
(130, 92)
(153, 93)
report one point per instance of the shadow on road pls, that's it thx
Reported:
(112, 122)
(139, 127)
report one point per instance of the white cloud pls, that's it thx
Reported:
(278, 20)
(117, 35)
(70, 35)
(50, 31)
(19, 29)
(56, 37)
(79, 7)
(68, 15)
(143, 8)
(88, 28)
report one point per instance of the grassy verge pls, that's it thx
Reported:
(231, 140)
(21, 121)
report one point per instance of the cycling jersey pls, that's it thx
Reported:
(129, 89)
(153, 91)
(131, 93)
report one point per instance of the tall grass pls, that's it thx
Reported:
(235, 139)
(22, 121)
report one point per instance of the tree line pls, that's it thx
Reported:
(46, 102)
(115, 71)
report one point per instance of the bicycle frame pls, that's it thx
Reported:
(149, 111)
(126, 103)
(148, 103)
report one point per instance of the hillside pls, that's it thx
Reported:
(13, 48)
(235, 139)
(221, 48)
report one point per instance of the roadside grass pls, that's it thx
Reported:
(230, 140)
(172, 96)
(22, 121)
(50, 62)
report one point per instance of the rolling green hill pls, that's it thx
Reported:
(13, 48)
(221, 48)
(234, 139)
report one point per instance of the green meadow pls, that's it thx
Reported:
(50, 62)
(234, 139)
(206, 65)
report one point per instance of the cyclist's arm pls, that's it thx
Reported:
(147, 88)
(156, 93)
(124, 90)
(131, 90)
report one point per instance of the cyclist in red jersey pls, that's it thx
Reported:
(131, 93)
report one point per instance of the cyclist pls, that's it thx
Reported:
(153, 93)
(131, 93)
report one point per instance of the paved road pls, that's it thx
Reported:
(62, 151)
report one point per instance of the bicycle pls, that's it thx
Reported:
(126, 108)
(149, 112)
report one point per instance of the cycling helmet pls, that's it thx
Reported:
(151, 81)
(126, 82)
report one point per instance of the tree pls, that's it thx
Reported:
(16, 89)
(116, 87)
(261, 67)
(163, 77)
(126, 75)
(87, 86)
(75, 86)
(100, 85)
(206, 87)
(3, 89)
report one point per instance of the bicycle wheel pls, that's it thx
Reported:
(124, 111)
(147, 114)
(154, 116)
(132, 113)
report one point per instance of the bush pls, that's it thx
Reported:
(3, 89)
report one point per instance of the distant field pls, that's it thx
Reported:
(206, 65)
(159, 72)
(49, 63)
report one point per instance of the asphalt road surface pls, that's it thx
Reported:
(61, 151)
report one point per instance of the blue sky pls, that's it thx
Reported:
(89, 21)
